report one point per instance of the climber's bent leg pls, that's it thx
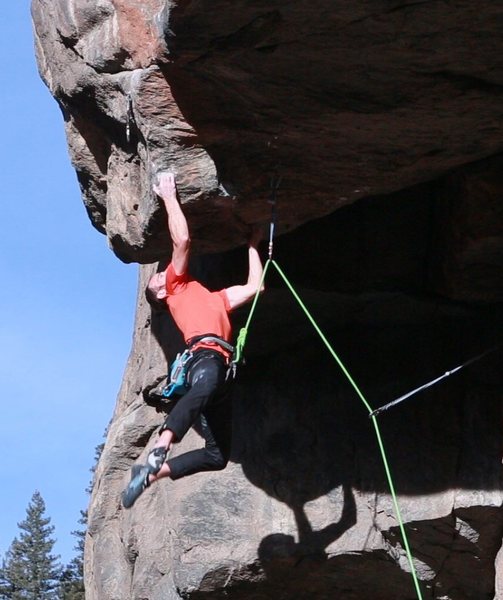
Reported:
(143, 475)
(216, 428)
(207, 380)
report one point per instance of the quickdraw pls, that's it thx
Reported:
(177, 385)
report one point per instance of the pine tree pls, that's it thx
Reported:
(29, 571)
(72, 577)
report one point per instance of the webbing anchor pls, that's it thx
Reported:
(434, 381)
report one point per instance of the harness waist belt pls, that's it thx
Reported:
(209, 337)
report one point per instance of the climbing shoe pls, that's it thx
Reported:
(156, 458)
(139, 482)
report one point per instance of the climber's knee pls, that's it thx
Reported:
(216, 460)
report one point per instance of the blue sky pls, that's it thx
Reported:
(66, 307)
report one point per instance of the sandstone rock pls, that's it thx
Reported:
(346, 101)
(384, 121)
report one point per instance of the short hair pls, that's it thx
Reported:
(156, 304)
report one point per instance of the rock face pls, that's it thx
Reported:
(383, 120)
(345, 101)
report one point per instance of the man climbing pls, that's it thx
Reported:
(199, 314)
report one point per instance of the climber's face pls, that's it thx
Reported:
(157, 285)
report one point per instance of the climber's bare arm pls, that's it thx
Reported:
(240, 294)
(165, 188)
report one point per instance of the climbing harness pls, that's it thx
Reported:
(178, 384)
(214, 339)
(433, 381)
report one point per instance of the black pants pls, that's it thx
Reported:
(206, 406)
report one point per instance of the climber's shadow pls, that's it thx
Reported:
(298, 450)
(310, 542)
(303, 436)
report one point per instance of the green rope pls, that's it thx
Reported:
(243, 332)
(374, 421)
(239, 347)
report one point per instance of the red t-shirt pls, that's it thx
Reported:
(196, 310)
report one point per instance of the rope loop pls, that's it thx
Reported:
(240, 344)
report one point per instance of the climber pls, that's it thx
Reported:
(198, 313)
